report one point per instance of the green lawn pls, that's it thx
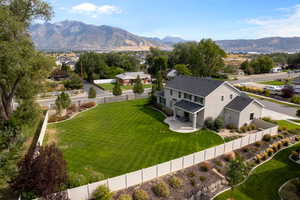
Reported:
(273, 83)
(264, 183)
(288, 125)
(113, 139)
(110, 86)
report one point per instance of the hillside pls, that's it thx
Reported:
(74, 35)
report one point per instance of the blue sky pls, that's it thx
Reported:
(189, 19)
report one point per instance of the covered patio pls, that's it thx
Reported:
(188, 113)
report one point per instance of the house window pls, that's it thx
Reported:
(179, 95)
(198, 99)
(162, 101)
(171, 92)
(222, 98)
(251, 116)
(188, 96)
(231, 96)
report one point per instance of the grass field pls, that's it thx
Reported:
(279, 83)
(265, 181)
(110, 86)
(113, 139)
(288, 125)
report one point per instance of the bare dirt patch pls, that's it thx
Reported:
(51, 136)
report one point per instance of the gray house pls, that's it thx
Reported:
(194, 99)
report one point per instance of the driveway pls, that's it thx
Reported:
(280, 108)
(87, 86)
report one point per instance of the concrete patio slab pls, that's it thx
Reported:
(180, 127)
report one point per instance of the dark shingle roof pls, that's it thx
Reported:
(239, 103)
(194, 85)
(188, 106)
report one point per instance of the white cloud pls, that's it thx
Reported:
(288, 25)
(94, 10)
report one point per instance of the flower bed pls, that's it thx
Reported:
(71, 112)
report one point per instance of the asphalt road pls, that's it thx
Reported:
(265, 77)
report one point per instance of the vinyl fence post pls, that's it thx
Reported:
(215, 152)
(193, 158)
(156, 170)
(126, 181)
(171, 166)
(255, 137)
(68, 193)
(88, 190)
(182, 162)
(249, 139)
(142, 175)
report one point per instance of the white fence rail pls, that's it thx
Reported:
(43, 131)
(102, 81)
(143, 175)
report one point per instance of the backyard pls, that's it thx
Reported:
(117, 138)
(266, 179)
(110, 86)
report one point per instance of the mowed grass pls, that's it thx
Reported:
(110, 86)
(277, 83)
(264, 183)
(288, 125)
(117, 138)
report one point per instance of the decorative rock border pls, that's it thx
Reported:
(281, 187)
(74, 115)
(252, 170)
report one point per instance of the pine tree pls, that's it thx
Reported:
(117, 91)
(138, 87)
(92, 93)
(159, 82)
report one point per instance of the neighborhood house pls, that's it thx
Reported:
(296, 84)
(194, 99)
(129, 78)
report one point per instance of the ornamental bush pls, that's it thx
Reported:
(161, 189)
(102, 193)
(117, 91)
(175, 182)
(92, 93)
(125, 197)
(138, 87)
(298, 113)
(205, 166)
(140, 195)
(267, 138)
(295, 99)
(209, 123)
(218, 124)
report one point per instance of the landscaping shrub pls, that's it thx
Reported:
(193, 182)
(280, 136)
(88, 105)
(267, 93)
(229, 156)
(258, 143)
(286, 142)
(253, 127)
(161, 189)
(270, 151)
(274, 147)
(92, 93)
(175, 182)
(102, 193)
(297, 138)
(140, 195)
(295, 155)
(258, 158)
(288, 92)
(202, 178)
(73, 108)
(191, 174)
(125, 197)
(298, 113)
(218, 124)
(267, 138)
(279, 145)
(244, 128)
(57, 118)
(264, 156)
(295, 99)
(205, 166)
(245, 149)
(209, 123)
(219, 163)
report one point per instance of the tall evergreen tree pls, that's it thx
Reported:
(138, 87)
(159, 82)
(117, 91)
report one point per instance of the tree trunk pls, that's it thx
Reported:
(6, 108)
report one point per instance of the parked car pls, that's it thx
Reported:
(274, 89)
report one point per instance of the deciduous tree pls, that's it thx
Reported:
(138, 87)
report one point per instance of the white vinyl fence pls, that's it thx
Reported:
(43, 130)
(102, 81)
(143, 175)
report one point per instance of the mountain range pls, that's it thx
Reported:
(75, 35)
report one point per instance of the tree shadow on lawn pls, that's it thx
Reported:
(156, 115)
(265, 182)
